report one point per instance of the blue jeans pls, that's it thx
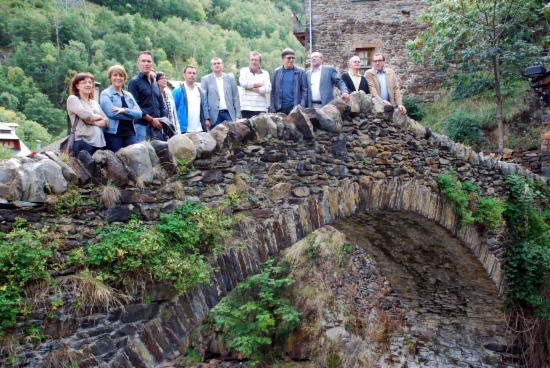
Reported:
(80, 145)
(142, 132)
(222, 116)
(115, 142)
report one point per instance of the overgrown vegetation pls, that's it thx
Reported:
(415, 108)
(24, 256)
(528, 266)
(466, 111)
(468, 203)
(172, 251)
(175, 251)
(257, 312)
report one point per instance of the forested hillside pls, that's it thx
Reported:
(47, 41)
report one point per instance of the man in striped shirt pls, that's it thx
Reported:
(257, 86)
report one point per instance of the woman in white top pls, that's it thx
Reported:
(86, 112)
(171, 127)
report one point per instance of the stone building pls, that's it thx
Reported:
(344, 28)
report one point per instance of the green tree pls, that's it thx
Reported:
(41, 110)
(477, 35)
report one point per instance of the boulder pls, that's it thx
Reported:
(158, 171)
(301, 122)
(12, 180)
(286, 130)
(54, 176)
(204, 142)
(114, 169)
(355, 102)
(92, 167)
(333, 113)
(238, 186)
(264, 126)
(137, 159)
(68, 173)
(365, 101)
(182, 147)
(34, 191)
(239, 134)
(342, 107)
(322, 121)
(378, 107)
(167, 160)
(219, 133)
(83, 175)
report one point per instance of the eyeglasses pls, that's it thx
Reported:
(290, 57)
(162, 77)
(86, 82)
(377, 61)
(356, 61)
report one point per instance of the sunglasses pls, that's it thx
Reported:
(290, 57)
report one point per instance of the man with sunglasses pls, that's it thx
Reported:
(383, 83)
(288, 87)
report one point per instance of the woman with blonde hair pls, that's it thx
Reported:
(86, 115)
(121, 108)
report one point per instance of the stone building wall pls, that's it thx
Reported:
(341, 26)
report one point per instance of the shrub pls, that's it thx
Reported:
(528, 255)
(464, 128)
(171, 251)
(466, 200)
(256, 312)
(24, 255)
(414, 107)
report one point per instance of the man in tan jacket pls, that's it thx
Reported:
(383, 83)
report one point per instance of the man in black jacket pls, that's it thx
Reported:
(353, 80)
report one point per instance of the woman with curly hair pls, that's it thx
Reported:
(86, 115)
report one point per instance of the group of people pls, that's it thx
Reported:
(148, 110)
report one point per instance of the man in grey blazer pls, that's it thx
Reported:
(222, 94)
(320, 79)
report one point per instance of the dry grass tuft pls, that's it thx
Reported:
(91, 291)
(385, 327)
(110, 195)
(177, 188)
(65, 358)
(8, 345)
(64, 157)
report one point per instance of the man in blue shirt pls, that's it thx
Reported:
(287, 87)
(146, 92)
(191, 104)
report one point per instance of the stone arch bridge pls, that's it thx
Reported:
(369, 175)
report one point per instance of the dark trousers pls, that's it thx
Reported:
(247, 114)
(286, 109)
(115, 142)
(222, 116)
(80, 145)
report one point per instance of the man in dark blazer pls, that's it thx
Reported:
(222, 95)
(353, 80)
(320, 79)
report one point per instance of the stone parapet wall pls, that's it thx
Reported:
(341, 26)
(293, 174)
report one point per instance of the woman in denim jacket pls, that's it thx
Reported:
(121, 108)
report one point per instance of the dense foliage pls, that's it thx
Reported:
(528, 255)
(256, 312)
(47, 41)
(496, 36)
(470, 206)
(174, 251)
(24, 256)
